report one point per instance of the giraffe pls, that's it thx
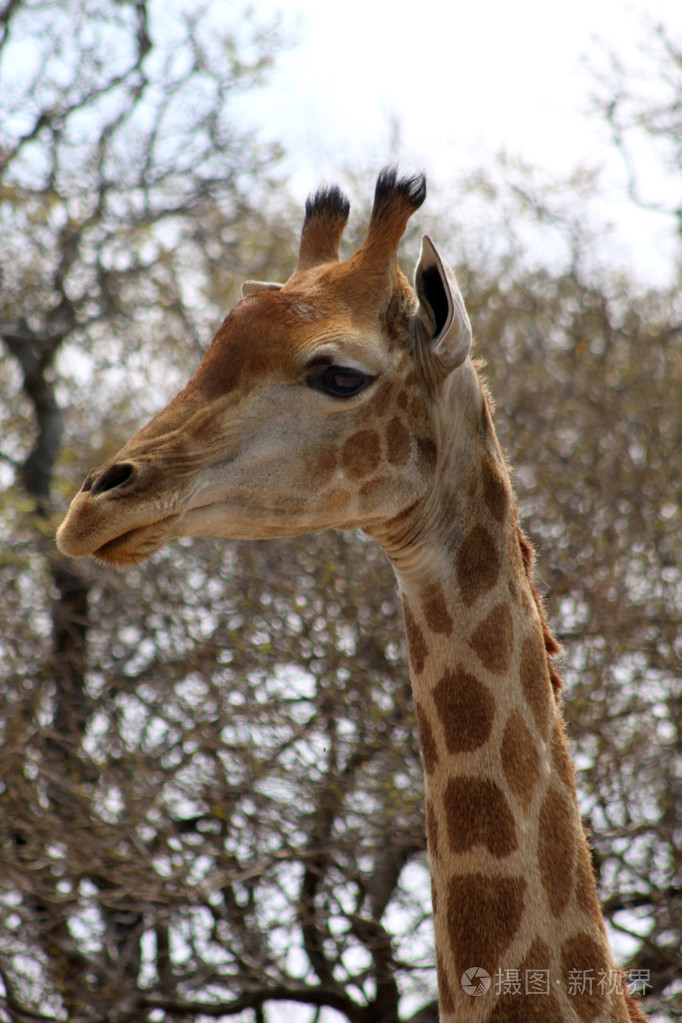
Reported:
(346, 398)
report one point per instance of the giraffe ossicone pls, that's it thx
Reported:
(346, 398)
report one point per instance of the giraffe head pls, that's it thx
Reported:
(318, 404)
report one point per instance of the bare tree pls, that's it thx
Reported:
(639, 101)
(211, 795)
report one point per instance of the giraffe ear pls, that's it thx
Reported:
(440, 326)
(253, 287)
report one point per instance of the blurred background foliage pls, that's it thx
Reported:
(211, 802)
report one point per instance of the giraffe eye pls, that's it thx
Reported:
(340, 381)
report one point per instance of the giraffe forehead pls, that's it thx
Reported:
(274, 335)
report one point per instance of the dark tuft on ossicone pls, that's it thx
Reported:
(326, 213)
(329, 202)
(389, 186)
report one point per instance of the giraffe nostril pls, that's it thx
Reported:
(113, 477)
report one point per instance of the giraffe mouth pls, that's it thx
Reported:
(137, 544)
(134, 545)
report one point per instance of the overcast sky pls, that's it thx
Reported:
(464, 80)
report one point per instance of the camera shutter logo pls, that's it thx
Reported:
(475, 981)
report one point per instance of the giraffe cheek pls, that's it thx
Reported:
(398, 442)
(374, 493)
(323, 465)
(361, 454)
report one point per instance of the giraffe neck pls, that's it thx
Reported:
(513, 890)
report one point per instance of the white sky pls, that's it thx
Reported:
(465, 80)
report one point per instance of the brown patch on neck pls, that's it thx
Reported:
(493, 640)
(477, 813)
(484, 914)
(487, 406)
(426, 739)
(478, 564)
(435, 609)
(466, 708)
(416, 644)
(432, 829)
(552, 647)
(561, 758)
(557, 849)
(447, 1004)
(520, 759)
(586, 886)
(582, 956)
(495, 490)
(530, 1006)
(535, 679)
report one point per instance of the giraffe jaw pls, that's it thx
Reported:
(78, 536)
